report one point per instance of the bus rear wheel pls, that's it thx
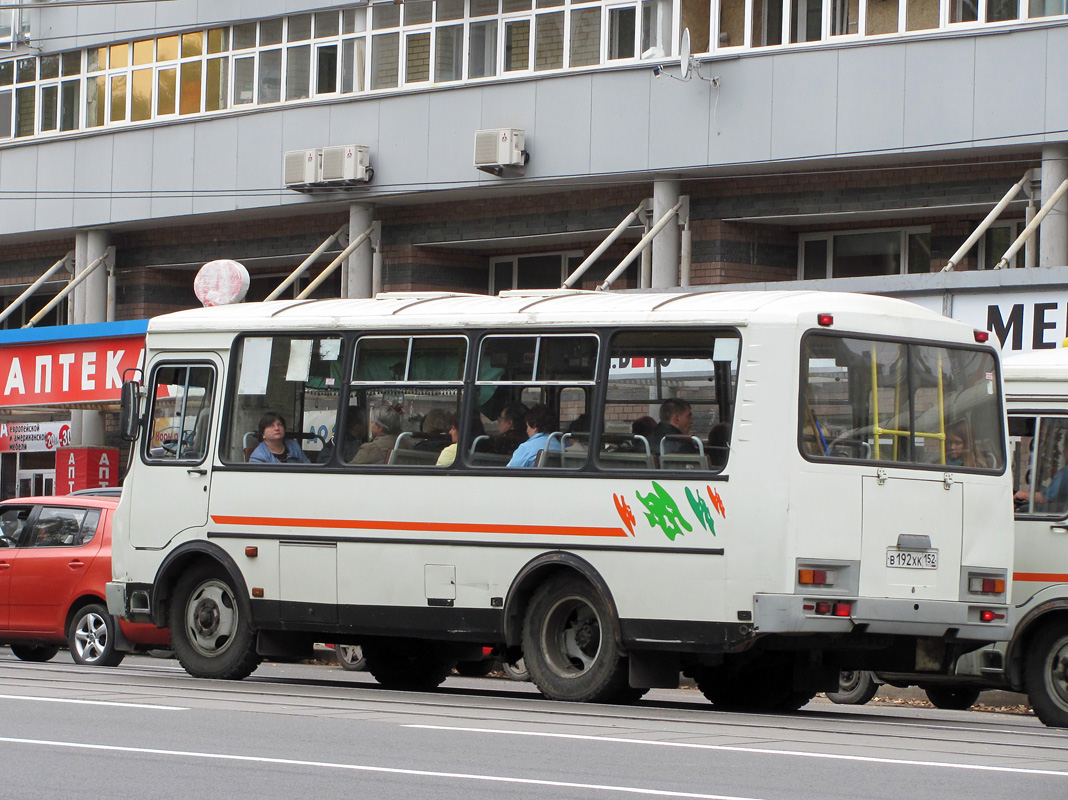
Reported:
(570, 644)
(855, 688)
(414, 666)
(211, 625)
(1046, 676)
(951, 698)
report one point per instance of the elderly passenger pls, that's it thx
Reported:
(385, 427)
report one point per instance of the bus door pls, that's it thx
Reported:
(1040, 467)
(171, 490)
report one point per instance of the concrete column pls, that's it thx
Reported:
(666, 244)
(90, 305)
(358, 279)
(1054, 233)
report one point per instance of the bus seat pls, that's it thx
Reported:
(625, 459)
(404, 457)
(684, 461)
(250, 442)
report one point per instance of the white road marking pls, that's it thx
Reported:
(91, 702)
(365, 768)
(758, 750)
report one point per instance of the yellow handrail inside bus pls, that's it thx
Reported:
(878, 430)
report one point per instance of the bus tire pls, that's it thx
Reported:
(413, 666)
(35, 653)
(952, 698)
(570, 645)
(211, 625)
(1046, 675)
(856, 687)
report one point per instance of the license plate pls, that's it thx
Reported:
(912, 559)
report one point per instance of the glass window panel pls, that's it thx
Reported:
(857, 254)
(95, 105)
(482, 49)
(192, 44)
(656, 27)
(845, 15)
(218, 40)
(72, 63)
(118, 99)
(481, 8)
(767, 22)
(732, 23)
(507, 358)
(517, 45)
(7, 73)
(181, 413)
(920, 253)
(141, 95)
(1046, 8)
(166, 91)
(49, 67)
(167, 48)
(381, 359)
(540, 272)
(1049, 494)
(96, 59)
(143, 52)
(215, 84)
(963, 11)
(244, 80)
(450, 9)
(882, 16)
(354, 20)
(921, 15)
(385, 60)
(119, 56)
(515, 5)
(326, 24)
(449, 53)
(191, 82)
(814, 264)
(417, 12)
(25, 70)
(384, 15)
(1001, 10)
(621, 32)
(352, 65)
(299, 28)
(417, 57)
(549, 3)
(270, 32)
(585, 37)
(298, 72)
(326, 69)
(270, 77)
(69, 105)
(49, 107)
(5, 114)
(244, 35)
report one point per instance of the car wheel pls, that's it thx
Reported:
(211, 625)
(350, 657)
(1046, 676)
(91, 638)
(516, 671)
(475, 669)
(856, 687)
(569, 643)
(952, 699)
(38, 653)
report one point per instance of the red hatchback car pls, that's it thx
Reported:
(55, 557)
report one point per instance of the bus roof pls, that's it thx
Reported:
(1037, 366)
(560, 307)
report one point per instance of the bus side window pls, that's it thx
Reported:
(180, 415)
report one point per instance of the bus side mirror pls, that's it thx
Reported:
(129, 421)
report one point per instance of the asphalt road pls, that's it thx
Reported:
(147, 729)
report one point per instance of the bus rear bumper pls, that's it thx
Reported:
(131, 601)
(774, 613)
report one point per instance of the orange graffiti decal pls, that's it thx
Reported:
(717, 502)
(625, 513)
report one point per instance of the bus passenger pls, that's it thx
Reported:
(448, 455)
(435, 431)
(274, 447)
(511, 430)
(960, 446)
(719, 443)
(385, 428)
(676, 419)
(540, 422)
(355, 436)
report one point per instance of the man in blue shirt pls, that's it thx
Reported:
(540, 422)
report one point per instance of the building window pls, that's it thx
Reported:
(853, 254)
(541, 271)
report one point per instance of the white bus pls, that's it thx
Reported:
(795, 513)
(1035, 659)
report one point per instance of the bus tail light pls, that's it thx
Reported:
(826, 608)
(843, 609)
(982, 337)
(988, 615)
(816, 577)
(825, 320)
(980, 585)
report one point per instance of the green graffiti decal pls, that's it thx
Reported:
(701, 509)
(663, 512)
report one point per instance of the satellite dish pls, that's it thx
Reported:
(684, 55)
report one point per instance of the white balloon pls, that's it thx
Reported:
(221, 282)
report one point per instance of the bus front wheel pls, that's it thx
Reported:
(211, 625)
(1046, 676)
(570, 644)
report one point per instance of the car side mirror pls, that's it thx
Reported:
(129, 419)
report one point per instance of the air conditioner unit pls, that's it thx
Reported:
(347, 163)
(300, 168)
(498, 149)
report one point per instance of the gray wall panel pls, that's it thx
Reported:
(132, 175)
(55, 171)
(259, 158)
(739, 128)
(19, 176)
(561, 143)
(804, 104)
(172, 171)
(871, 98)
(217, 173)
(510, 106)
(1009, 95)
(679, 120)
(939, 92)
(354, 123)
(93, 170)
(453, 120)
(404, 127)
(1056, 96)
(619, 124)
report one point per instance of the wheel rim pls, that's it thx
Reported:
(350, 653)
(211, 618)
(1057, 672)
(849, 680)
(571, 637)
(91, 637)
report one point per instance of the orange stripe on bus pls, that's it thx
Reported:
(1047, 577)
(429, 527)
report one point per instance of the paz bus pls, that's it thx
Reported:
(823, 527)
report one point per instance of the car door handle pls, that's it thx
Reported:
(4, 565)
(197, 471)
(1059, 528)
(76, 564)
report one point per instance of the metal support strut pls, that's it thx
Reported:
(307, 263)
(108, 256)
(66, 261)
(333, 265)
